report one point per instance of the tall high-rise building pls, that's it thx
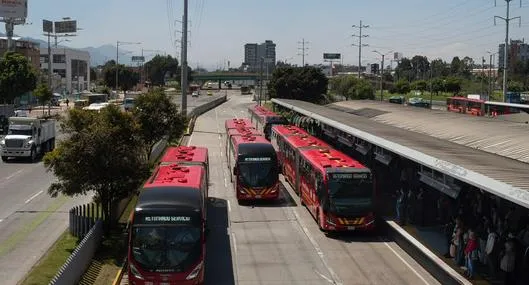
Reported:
(254, 52)
(518, 51)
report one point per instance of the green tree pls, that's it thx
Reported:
(364, 90)
(439, 68)
(403, 86)
(158, 117)
(453, 85)
(158, 66)
(126, 77)
(404, 70)
(44, 95)
(300, 83)
(344, 86)
(101, 154)
(419, 85)
(515, 86)
(437, 85)
(17, 76)
(420, 67)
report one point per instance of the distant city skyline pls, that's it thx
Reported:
(219, 29)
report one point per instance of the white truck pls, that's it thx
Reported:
(28, 137)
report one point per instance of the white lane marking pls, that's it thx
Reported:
(229, 206)
(317, 248)
(324, 277)
(14, 174)
(407, 264)
(225, 181)
(190, 139)
(1, 220)
(34, 196)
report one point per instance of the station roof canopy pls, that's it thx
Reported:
(501, 176)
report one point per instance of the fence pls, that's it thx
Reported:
(77, 263)
(83, 218)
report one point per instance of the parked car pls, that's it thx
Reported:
(418, 102)
(396, 99)
(194, 94)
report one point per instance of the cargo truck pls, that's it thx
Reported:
(28, 137)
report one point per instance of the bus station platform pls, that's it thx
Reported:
(465, 148)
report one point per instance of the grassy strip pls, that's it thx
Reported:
(47, 267)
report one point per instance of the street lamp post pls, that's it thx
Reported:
(382, 74)
(261, 81)
(118, 43)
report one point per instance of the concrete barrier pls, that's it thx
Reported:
(77, 263)
(425, 257)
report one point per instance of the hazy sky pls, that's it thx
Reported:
(220, 28)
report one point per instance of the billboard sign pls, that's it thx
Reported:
(63, 27)
(138, 59)
(47, 26)
(17, 9)
(331, 56)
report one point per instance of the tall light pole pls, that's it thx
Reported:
(261, 81)
(118, 43)
(506, 50)
(492, 61)
(382, 74)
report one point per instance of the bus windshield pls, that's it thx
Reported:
(350, 193)
(258, 174)
(166, 248)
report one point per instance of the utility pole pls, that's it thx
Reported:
(482, 75)
(183, 80)
(117, 70)
(490, 76)
(506, 50)
(303, 48)
(382, 74)
(360, 45)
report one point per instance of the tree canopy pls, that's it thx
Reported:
(126, 77)
(101, 154)
(17, 76)
(158, 117)
(44, 94)
(158, 66)
(351, 87)
(300, 83)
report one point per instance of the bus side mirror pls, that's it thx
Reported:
(235, 170)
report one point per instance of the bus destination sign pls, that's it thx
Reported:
(256, 159)
(165, 219)
(349, 175)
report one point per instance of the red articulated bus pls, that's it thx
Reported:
(253, 162)
(241, 131)
(187, 155)
(289, 150)
(265, 119)
(284, 131)
(167, 231)
(465, 105)
(337, 190)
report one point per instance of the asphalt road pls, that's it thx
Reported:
(279, 243)
(30, 220)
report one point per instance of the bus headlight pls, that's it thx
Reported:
(330, 221)
(135, 272)
(195, 272)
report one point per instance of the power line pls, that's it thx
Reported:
(506, 49)
(303, 48)
(360, 45)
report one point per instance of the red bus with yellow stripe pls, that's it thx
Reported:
(264, 119)
(167, 230)
(337, 190)
(253, 163)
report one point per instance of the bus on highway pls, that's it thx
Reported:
(167, 231)
(288, 152)
(284, 131)
(253, 163)
(465, 105)
(265, 119)
(337, 190)
(242, 131)
(187, 155)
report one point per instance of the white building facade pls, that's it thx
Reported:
(73, 67)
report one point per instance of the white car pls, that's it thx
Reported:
(194, 94)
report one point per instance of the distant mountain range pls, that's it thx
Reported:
(98, 55)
